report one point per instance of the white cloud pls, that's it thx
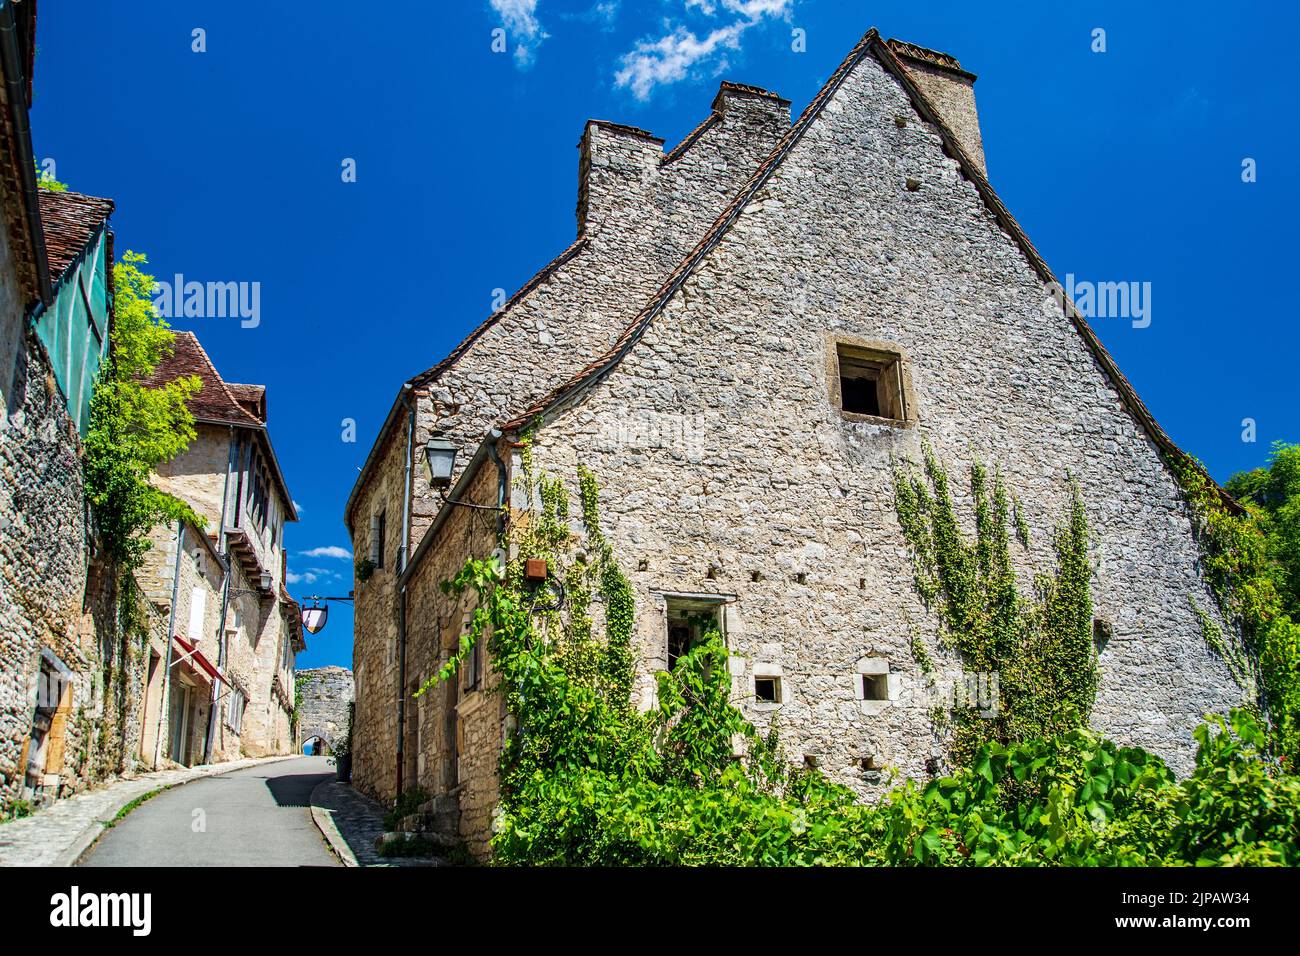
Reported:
(606, 12)
(329, 551)
(673, 56)
(523, 29)
(297, 507)
(308, 578)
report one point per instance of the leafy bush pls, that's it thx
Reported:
(1252, 563)
(407, 802)
(134, 427)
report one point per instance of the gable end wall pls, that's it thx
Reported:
(739, 460)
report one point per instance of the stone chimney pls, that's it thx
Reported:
(762, 111)
(617, 170)
(950, 89)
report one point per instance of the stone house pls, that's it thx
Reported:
(224, 688)
(840, 290)
(66, 669)
(639, 209)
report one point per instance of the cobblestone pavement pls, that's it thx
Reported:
(351, 822)
(58, 835)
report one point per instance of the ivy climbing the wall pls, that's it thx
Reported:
(589, 779)
(1252, 564)
(1039, 646)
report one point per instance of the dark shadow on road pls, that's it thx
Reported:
(294, 790)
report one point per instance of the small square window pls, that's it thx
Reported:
(767, 690)
(870, 382)
(875, 687)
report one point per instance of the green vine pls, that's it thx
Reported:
(1040, 647)
(586, 778)
(134, 427)
(1250, 561)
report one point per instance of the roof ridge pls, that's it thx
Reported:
(625, 128)
(432, 374)
(203, 354)
(73, 194)
(749, 88)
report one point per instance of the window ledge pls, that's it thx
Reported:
(472, 701)
(876, 420)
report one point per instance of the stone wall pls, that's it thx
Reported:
(374, 647)
(59, 600)
(763, 491)
(326, 693)
(454, 729)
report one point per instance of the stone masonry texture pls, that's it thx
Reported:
(726, 467)
(779, 482)
(58, 598)
(640, 210)
(326, 693)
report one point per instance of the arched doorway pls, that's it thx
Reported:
(316, 744)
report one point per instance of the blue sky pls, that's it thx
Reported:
(226, 166)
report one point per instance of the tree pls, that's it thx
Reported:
(1274, 491)
(1261, 568)
(135, 426)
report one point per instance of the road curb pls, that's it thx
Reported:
(71, 855)
(324, 821)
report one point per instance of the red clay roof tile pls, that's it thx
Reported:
(69, 220)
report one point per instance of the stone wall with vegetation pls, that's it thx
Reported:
(726, 468)
(326, 693)
(642, 210)
(60, 595)
(454, 728)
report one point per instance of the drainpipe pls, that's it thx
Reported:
(401, 593)
(163, 703)
(225, 602)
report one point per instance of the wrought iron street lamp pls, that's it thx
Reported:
(439, 460)
(265, 581)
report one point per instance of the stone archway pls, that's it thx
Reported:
(321, 738)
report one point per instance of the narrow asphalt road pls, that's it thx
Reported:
(255, 817)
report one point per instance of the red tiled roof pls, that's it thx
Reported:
(69, 220)
(251, 397)
(219, 401)
(727, 86)
(215, 402)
